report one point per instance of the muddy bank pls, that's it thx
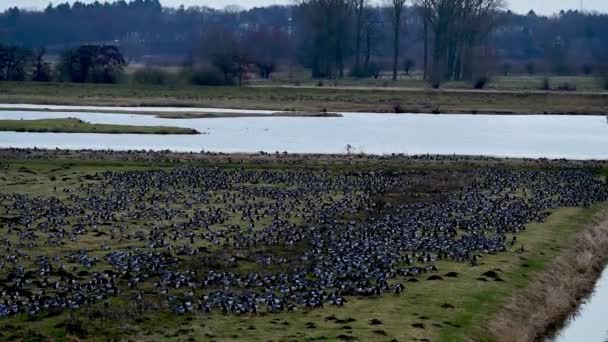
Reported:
(279, 99)
(389, 160)
(197, 113)
(247, 115)
(589, 322)
(557, 292)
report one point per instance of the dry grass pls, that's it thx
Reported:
(557, 292)
(73, 125)
(312, 99)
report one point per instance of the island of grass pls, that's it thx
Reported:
(73, 125)
(248, 115)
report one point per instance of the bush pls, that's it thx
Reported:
(436, 84)
(150, 75)
(357, 72)
(397, 108)
(207, 77)
(481, 82)
(567, 86)
(545, 84)
(587, 69)
(43, 74)
(531, 68)
(408, 65)
(372, 70)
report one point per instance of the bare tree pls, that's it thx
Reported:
(267, 48)
(371, 31)
(458, 26)
(41, 70)
(325, 23)
(360, 9)
(424, 9)
(397, 7)
(479, 19)
(13, 63)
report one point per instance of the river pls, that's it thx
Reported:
(590, 323)
(527, 136)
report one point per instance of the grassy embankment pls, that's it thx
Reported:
(558, 291)
(72, 125)
(511, 82)
(453, 309)
(302, 77)
(312, 99)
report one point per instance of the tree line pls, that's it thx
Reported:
(443, 39)
(87, 63)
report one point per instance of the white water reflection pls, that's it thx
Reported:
(533, 136)
(590, 323)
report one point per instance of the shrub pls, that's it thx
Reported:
(567, 86)
(43, 74)
(397, 108)
(587, 69)
(372, 70)
(150, 75)
(545, 84)
(531, 68)
(207, 77)
(481, 82)
(357, 72)
(73, 326)
(408, 65)
(92, 63)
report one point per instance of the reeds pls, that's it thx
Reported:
(557, 292)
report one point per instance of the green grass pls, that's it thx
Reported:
(474, 302)
(72, 125)
(311, 99)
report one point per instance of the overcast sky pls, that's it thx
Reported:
(522, 6)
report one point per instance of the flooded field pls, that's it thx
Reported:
(589, 324)
(531, 136)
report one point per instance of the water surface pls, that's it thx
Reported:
(532, 136)
(590, 324)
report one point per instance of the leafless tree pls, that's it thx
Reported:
(424, 9)
(458, 26)
(326, 22)
(371, 31)
(360, 10)
(397, 7)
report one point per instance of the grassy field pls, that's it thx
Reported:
(415, 80)
(73, 125)
(312, 99)
(511, 82)
(453, 309)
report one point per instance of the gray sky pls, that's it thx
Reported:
(522, 6)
